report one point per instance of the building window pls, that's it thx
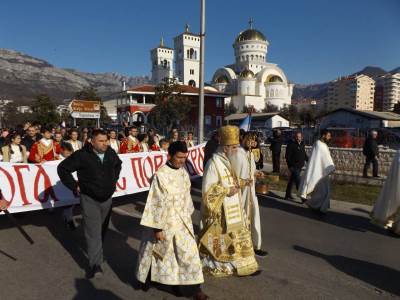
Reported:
(191, 72)
(220, 102)
(218, 121)
(207, 120)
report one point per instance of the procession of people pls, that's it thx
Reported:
(229, 241)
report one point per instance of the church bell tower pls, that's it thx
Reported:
(162, 59)
(187, 57)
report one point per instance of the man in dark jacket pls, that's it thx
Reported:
(371, 152)
(98, 168)
(30, 138)
(276, 145)
(296, 157)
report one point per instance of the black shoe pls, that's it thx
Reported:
(261, 253)
(289, 198)
(70, 225)
(377, 176)
(256, 273)
(365, 176)
(303, 200)
(200, 296)
(95, 272)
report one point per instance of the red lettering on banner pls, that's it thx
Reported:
(147, 178)
(21, 184)
(138, 162)
(201, 159)
(193, 156)
(158, 162)
(123, 186)
(48, 189)
(12, 185)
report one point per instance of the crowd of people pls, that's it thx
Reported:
(230, 235)
(37, 144)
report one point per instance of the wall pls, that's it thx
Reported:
(349, 162)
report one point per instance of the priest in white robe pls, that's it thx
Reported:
(169, 253)
(244, 167)
(226, 246)
(386, 210)
(315, 182)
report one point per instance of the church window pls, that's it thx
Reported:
(272, 93)
(247, 46)
(191, 53)
(188, 53)
(257, 57)
(252, 57)
(247, 57)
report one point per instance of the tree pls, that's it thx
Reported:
(44, 110)
(270, 108)
(291, 113)
(230, 108)
(249, 109)
(90, 94)
(12, 118)
(307, 116)
(171, 107)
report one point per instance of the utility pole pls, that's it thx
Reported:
(201, 74)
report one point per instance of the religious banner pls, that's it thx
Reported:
(37, 186)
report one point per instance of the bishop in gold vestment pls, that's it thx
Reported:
(225, 241)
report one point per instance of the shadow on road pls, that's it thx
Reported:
(347, 221)
(381, 277)
(86, 290)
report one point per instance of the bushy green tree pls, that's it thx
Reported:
(171, 106)
(44, 110)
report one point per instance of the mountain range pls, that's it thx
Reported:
(22, 77)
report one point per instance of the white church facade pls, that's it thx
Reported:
(252, 80)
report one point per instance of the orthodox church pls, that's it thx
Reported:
(252, 80)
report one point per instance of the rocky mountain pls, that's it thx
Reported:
(372, 72)
(22, 77)
(306, 91)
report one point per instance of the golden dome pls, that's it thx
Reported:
(250, 35)
(222, 79)
(275, 79)
(246, 74)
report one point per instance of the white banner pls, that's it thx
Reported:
(37, 186)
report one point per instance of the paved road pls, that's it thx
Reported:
(340, 256)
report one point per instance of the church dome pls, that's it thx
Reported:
(250, 35)
(246, 74)
(222, 79)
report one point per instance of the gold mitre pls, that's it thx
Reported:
(229, 135)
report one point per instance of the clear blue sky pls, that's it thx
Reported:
(312, 40)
